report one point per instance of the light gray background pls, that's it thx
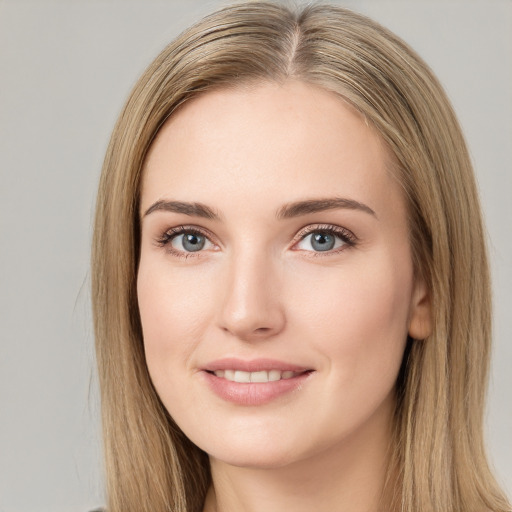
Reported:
(65, 70)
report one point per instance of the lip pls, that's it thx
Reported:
(254, 365)
(252, 394)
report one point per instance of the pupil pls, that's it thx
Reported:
(322, 242)
(193, 242)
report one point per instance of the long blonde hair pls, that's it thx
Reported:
(438, 458)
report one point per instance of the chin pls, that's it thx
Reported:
(259, 458)
(260, 450)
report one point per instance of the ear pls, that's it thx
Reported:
(420, 314)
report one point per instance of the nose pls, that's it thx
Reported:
(252, 309)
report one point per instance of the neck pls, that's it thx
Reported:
(349, 476)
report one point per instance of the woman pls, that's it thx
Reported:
(286, 222)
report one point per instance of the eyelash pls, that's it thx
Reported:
(169, 235)
(346, 236)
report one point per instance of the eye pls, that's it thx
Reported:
(190, 242)
(183, 241)
(325, 239)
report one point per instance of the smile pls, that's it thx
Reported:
(260, 376)
(256, 382)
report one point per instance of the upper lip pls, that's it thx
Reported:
(254, 365)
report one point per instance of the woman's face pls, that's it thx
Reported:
(275, 285)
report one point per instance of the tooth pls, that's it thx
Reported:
(242, 376)
(274, 375)
(259, 376)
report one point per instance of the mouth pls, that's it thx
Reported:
(256, 382)
(261, 376)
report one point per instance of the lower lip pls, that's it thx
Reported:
(252, 393)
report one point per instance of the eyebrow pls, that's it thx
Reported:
(192, 209)
(299, 208)
(290, 210)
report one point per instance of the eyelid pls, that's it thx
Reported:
(165, 239)
(344, 234)
(312, 228)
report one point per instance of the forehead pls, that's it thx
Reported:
(267, 140)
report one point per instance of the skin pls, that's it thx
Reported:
(259, 289)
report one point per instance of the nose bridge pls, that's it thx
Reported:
(252, 308)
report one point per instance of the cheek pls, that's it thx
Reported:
(174, 312)
(358, 318)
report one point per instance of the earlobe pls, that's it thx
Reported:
(420, 317)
